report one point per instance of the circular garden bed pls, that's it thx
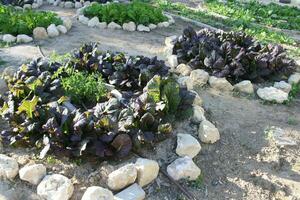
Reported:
(134, 16)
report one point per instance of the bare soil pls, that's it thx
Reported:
(244, 164)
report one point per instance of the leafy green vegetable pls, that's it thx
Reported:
(16, 22)
(28, 106)
(138, 12)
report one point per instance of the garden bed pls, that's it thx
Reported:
(22, 26)
(135, 16)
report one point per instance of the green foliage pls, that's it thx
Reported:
(170, 95)
(138, 12)
(16, 22)
(261, 33)
(28, 106)
(294, 92)
(55, 57)
(271, 15)
(198, 183)
(82, 87)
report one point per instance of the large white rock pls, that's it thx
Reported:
(9, 38)
(78, 4)
(69, 4)
(183, 69)
(8, 167)
(187, 145)
(62, 29)
(147, 171)
(67, 22)
(198, 78)
(208, 133)
(22, 38)
(182, 81)
(272, 94)
(102, 25)
(27, 6)
(294, 78)
(134, 192)
(220, 84)
(130, 26)
(143, 28)
(87, 3)
(171, 40)
(152, 26)
(93, 22)
(33, 173)
(35, 6)
(97, 193)
(52, 31)
(244, 87)
(83, 19)
(198, 114)
(55, 187)
(183, 168)
(172, 61)
(113, 25)
(282, 85)
(163, 24)
(40, 2)
(40, 33)
(122, 177)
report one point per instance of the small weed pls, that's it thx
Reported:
(198, 183)
(77, 161)
(51, 160)
(292, 121)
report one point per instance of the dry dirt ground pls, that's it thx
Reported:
(244, 164)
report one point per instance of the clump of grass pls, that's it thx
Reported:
(198, 183)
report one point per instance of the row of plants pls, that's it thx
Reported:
(95, 103)
(261, 33)
(16, 2)
(271, 15)
(13, 21)
(136, 11)
(233, 55)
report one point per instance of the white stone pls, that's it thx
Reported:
(61, 4)
(50, 1)
(198, 114)
(208, 133)
(97, 193)
(22, 38)
(69, 4)
(8, 167)
(272, 94)
(134, 192)
(198, 78)
(52, 31)
(83, 19)
(122, 177)
(9, 38)
(87, 3)
(183, 69)
(55, 187)
(79, 11)
(33, 173)
(62, 29)
(67, 22)
(113, 25)
(183, 168)
(40, 33)
(130, 26)
(35, 5)
(102, 25)
(147, 171)
(57, 2)
(244, 87)
(281, 137)
(163, 24)
(171, 40)
(152, 26)
(172, 60)
(187, 145)
(78, 4)
(220, 84)
(284, 86)
(40, 2)
(93, 22)
(27, 6)
(143, 28)
(294, 78)
(182, 81)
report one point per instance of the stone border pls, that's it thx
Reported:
(130, 26)
(195, 79)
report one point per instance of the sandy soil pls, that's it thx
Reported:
(244, 164)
